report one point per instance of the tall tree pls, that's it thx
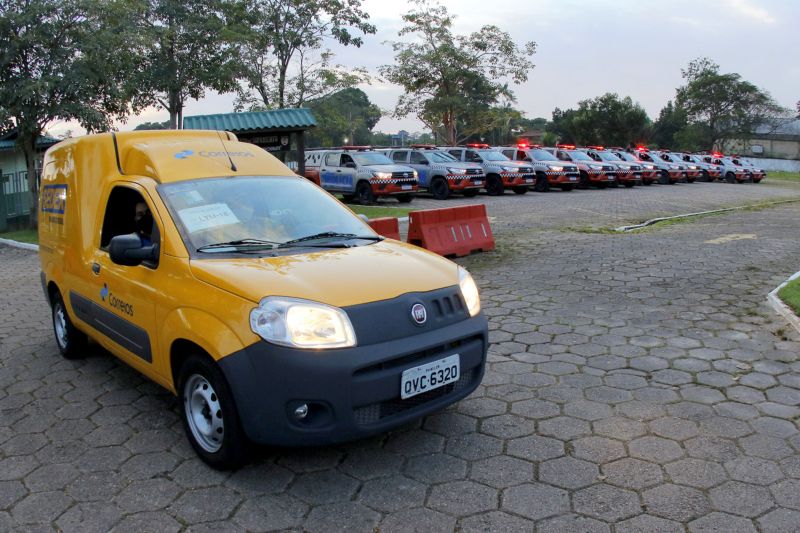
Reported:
(670, 121)
(347, 114)
(452, 81)
(62, 60)
(188, 47)
(726, 105)
(283, 62)
(607, 119)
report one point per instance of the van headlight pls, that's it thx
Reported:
(469, 291)
(301, 324)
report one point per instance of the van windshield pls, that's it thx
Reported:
(440, 157)
(259, 209)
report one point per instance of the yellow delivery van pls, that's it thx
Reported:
(272, 311)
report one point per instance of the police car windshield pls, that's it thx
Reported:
(608, 156)
(577, 155)
(542, 155)
(627, 157)
(491, 155)
(370, 158)
(268, 209)
(440, 157)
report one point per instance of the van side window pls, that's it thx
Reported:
(418, 159)
(346, 159)
(563, 156)
(472, 157)
(455, 153)
(332, 160)
(128, 212)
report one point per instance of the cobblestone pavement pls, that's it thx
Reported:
(637, 383)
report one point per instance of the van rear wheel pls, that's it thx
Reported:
(71, 342)
(209, 415)
(494, 185)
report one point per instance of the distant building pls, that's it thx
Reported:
(15, 198)
(400, 138)
(778, 140)
(531, 136)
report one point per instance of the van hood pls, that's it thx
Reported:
(340, 277)
(391, 168)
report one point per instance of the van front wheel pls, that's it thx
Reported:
(71, 342)
(209, 415)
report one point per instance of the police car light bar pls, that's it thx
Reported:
(566, 146)
(477, 145)
(595, 147)
(424, 147)
(355, 148)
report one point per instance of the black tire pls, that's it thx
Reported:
(691, 180)
(71, 342)
(405, 198)
(364, 193)
(583, 181)
(730, 177)
(348, 198)
(520, 189)
(647, 183)
(705, 176)
(749, 178)
(629, 184)
(541, 184)
(602, 185)
(494, 185)
(663, 177)
(566, 188)
(203, 389)
(439, 188)
(470, 193)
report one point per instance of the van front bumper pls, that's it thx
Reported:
(349, 393)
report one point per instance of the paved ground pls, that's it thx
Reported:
(638, 383)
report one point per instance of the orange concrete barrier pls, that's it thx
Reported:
(389, 227)
(451, 231)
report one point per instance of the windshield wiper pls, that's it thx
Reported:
(237, 243)
(327, 235)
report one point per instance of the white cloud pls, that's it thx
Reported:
(748, 10)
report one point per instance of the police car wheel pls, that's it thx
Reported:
(629, 184)
(541, 185)
(71, 342)
(583, 182)
(602, 185)
(663, 178)
(405, 198)
(705, 176)
(647, 182)
(494, 186)
(209, 415)
(439, 189)
(520, 190)
(730, 177)
(364, 193)
(566, 188)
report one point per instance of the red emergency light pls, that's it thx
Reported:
(566, 146)
(595, 147)
(424, 146)
(522, 145)
(641, 148)
(477, 145)
(716, 154)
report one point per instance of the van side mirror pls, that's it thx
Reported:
(127, 250)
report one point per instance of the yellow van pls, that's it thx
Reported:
(273, 312)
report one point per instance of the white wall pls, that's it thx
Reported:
(784, 165)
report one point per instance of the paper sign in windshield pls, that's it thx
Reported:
(207, 217)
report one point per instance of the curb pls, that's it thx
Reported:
(17, 244)
(780, 307)
(687, 215)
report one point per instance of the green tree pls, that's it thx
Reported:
(727, 106)
(282, 61)
(187, 47)
(452, 81)
(607, 119)
(347, 114)
(62, 60)
(153, 126)
(670, 121)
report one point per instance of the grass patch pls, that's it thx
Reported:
(30, 236)
(784, 176)
(372, 211)
(790, 294)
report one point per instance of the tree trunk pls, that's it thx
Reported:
(29, 149)
(175, 110)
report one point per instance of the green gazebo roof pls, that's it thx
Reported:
(253, 121)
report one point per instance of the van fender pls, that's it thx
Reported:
(200, 328)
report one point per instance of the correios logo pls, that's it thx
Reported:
(204, 153)
(117, 303)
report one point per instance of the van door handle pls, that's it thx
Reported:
(337, 170)
(96, 268)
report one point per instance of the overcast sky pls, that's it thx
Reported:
(586, 48)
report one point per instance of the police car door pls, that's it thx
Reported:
(122, 301)
(420, 163)
(330, 174)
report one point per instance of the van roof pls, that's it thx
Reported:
(177, 155)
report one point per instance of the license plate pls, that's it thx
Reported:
(477, 182)
(405, 187)
(572, 178)
(430, 376)
(529, 180)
